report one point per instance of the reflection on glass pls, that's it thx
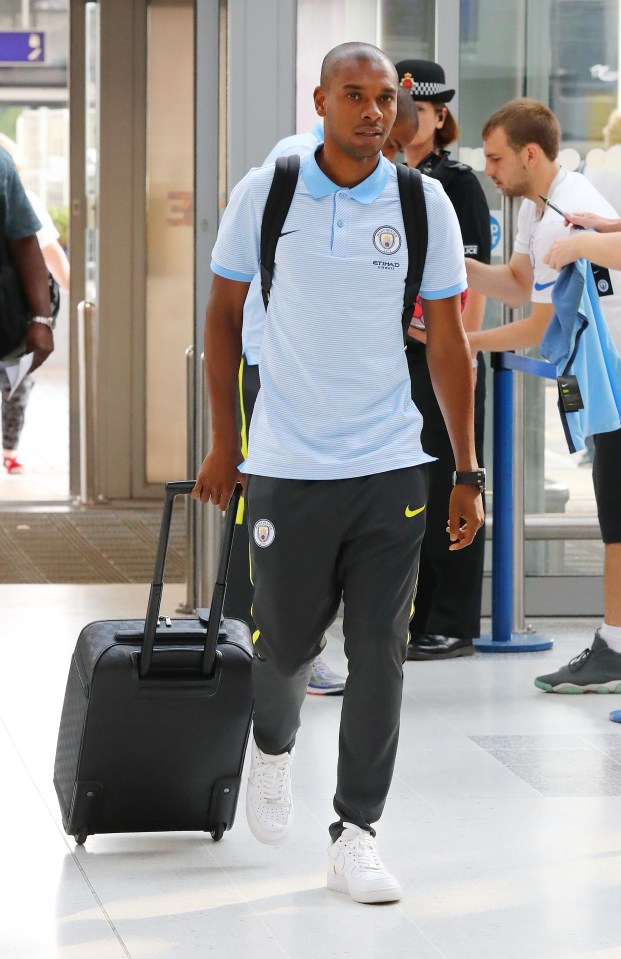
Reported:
(406, 30)
(566, 54)
(321, 25)
(170, 234)
(584, 69)
(399, 27)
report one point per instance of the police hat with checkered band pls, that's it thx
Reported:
(425, 80)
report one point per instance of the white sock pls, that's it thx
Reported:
(612, 636)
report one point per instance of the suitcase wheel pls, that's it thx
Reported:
(218, 832)
(80, 836)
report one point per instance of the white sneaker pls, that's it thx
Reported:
(269, 806)
(354, 867)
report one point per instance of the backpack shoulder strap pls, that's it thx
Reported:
(415, 221)
(276, 208)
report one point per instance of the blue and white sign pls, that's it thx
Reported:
(495, 224)
(22, 46)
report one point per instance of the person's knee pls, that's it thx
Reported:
(380, 642)
(287, 660)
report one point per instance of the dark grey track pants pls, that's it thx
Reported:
(312, 542)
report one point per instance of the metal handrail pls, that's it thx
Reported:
(551, 526)
(203, 524)
(211, 519)
(192, 537)
(87, 387)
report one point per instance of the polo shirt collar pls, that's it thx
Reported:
(558, 179)
(320, 186)
(317, 131)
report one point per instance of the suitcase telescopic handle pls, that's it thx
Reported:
(171, 490)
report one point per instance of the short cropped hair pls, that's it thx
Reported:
(526, 121)
(353, 50)
(406, 107)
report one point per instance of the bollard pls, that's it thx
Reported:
(502, 638)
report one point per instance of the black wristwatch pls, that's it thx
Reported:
(472, 478)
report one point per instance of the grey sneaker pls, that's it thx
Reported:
(595, 670)
(323, 682)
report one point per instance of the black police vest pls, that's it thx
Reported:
(442, 168)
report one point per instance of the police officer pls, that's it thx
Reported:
(448, 601)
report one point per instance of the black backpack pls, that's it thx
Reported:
(414, 218)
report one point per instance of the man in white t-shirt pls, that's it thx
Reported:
(521, 143)
(335, 474)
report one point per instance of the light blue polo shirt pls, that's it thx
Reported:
(578, 342)
(254, 310)
(335, 398)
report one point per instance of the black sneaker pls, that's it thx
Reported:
(431, 646)
(594, 670)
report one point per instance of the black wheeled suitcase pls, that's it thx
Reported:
(157, 714)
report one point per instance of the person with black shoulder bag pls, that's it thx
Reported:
(26, 310)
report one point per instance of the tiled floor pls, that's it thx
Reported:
(503, 822)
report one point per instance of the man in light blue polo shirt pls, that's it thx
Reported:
(254, 311)
(335, 474)
(323, 681)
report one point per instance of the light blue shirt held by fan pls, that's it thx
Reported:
(578, 342)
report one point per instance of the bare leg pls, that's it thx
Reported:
(612, 584)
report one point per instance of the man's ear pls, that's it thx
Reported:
(533, 153)
(319, 96)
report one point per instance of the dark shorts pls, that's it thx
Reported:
(606, 473)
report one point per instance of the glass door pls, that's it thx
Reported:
(132, 218)
(399, 27)
(169, 321)
(564, 53)
(34, 125)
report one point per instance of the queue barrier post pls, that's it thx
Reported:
(503, 639)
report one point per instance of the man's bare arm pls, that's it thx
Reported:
(602, 248)
(510, 283)
(593, 221)
(450, 368)
(474, 311)
(29, 265)
(223, 346)
(515, 336)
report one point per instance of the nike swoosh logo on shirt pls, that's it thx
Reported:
(413, 512)
(287, 232)
(544, 286)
